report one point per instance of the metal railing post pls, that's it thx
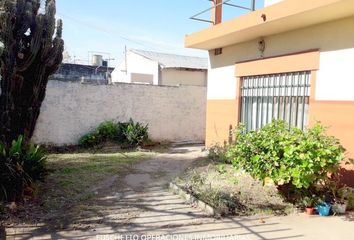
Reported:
(217, 10)
(253, 7)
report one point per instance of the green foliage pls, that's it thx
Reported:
(309, 200)
(217, 153)
(350, 201)
(20, 166)
(89, 140)
(290, 157)
(34, 162)
(127, 133)
(107, 130)
(121, 129)
(135, 133)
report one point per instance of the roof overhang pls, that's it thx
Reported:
(186, 69)
(281, 17)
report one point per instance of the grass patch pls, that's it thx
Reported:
(74, 176)
(74, 185)
(231, 191)
(75, 188)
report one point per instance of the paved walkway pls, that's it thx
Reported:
(146, 209)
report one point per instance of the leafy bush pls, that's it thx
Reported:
(130, 133)
(217, 153)
(135, 133)
(89, 140)
(107, 130)
(290, 157)
(121, 129)
(20, 166)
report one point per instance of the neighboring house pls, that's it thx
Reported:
(83, 73)
(292, 60)
(161, 69)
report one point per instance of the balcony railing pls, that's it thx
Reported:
(216, 10)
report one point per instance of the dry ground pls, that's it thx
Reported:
(130, 197)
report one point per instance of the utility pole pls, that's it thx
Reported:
(126, 60)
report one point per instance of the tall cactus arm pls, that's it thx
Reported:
(29, 56)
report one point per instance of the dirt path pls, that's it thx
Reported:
(122, 202)
(145, 207)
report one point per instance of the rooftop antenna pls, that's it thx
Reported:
(126, 60)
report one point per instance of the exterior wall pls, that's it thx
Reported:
(271, 2)
(142, 78)
(73, 109)
(136, 64)
(332, 100)
(172, 77)
(79, 72)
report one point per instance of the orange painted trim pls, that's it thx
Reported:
(221, 119)
(238, 99)
(313, 86)
(335, 102)
(338, 117)
(279, 64)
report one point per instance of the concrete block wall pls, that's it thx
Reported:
(71, 109)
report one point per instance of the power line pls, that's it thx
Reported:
(109, 32)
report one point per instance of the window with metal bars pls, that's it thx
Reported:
(282, 96)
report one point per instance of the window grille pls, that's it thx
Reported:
(282, 96)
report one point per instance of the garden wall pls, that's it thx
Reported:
(71, 109)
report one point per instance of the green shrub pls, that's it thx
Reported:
(20, 166)
(121, 129)
(290, 157)
(107, 130)
(89, 140)
(127, 133)
(34, 162)
(217, 153)
(136, 133)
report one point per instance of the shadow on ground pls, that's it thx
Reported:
(144, 206)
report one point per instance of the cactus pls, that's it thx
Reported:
(30, 54)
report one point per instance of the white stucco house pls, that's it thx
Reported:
(291, 60)
(147, 67)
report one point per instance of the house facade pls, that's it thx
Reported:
(146, 67)
(291, 60)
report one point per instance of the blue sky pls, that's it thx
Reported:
(157, 25)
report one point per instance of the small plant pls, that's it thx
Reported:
(308, 202)
(20, 166)
(126, 133)
(121, 129)
(217, 153)
(222, 169)
(89, 140)
(107, 130)
(136, 133)
(34, 162)
(350, 198)
(341, 198)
